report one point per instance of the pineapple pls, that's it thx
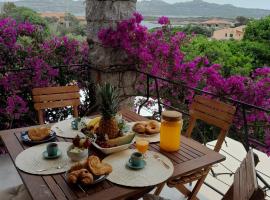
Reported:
(109, 105)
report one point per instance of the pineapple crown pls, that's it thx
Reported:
(109, 100)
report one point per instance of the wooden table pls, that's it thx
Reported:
(191, 156)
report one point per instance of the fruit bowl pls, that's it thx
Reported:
(113, 149)
(120, 144)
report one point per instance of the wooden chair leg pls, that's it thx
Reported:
(184, 191)
(159, 189)
(76, 113)
(196, 189)
(40, 117)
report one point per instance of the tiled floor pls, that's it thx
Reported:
(8, 174)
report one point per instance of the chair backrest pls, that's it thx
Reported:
(212, 112)
(245, 185)
(55, 97)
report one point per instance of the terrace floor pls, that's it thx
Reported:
(233, 150)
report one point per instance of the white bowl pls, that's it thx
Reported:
(113, 149)
(76, 156)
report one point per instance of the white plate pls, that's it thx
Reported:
(150, 138)
(64, 129)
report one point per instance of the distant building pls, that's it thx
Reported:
(216, 23)
(61, 17)
(236, 33)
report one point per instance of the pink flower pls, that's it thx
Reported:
(138, 17)
(164, 20)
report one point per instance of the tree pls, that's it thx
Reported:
(226, 53)
(74, 26)
(241, 20)
(8, 8)
(23, 14)
(193, 29)
(258, 30)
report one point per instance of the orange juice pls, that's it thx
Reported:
(170, 130)
(142, 145)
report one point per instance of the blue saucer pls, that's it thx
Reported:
(141, 166)
(45, 154)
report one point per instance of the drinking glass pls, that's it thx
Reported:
(142, 145)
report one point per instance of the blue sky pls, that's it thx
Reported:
(264, 4)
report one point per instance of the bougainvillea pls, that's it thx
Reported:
(159, 53)
(21, 47)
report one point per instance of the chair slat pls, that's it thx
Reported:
(252, 184)
(55, 90)
(215, 112)
(57, 104)
(216, 104)
(243, 179)
(56, 97)
(236, 185)
(210, 120)
(245, 185)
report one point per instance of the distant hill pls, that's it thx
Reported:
(74, 7)
(195, 8)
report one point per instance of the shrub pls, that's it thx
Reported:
(27, 61)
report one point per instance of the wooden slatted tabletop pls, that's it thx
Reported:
(191, 156)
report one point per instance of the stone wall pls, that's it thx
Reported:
(103, 14)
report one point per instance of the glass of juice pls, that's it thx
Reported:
(142, 145)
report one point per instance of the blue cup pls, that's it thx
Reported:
(52, 149)
(75, 123)
(136, 159)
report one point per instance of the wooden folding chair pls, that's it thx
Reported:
(55, 97)
(214, 113)
(245, 184)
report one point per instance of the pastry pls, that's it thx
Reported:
(152, 127)
(139, 127)
(82, 171)
(74, 176)
(37, 134)
(86, 177)
(98, 168)
(148, 127)
(78, 166)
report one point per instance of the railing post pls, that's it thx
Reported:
(147, 93)
(157, 92)
(245, 127)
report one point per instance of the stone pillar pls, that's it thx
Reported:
(103, 14)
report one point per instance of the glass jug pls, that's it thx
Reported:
(170, 130)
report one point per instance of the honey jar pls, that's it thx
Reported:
(170, 130)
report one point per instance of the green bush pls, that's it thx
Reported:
(258, 30)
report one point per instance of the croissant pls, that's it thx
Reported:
(97, 167)
(86, 177)
(78, 166)
(139, 127)
(74, 176)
